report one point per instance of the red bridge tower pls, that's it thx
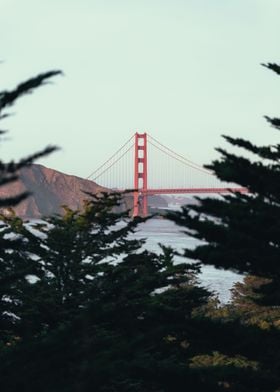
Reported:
(140, 205)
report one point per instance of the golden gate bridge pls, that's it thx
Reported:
(149, 168)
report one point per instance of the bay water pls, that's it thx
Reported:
(163, 231)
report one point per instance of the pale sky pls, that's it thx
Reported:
(185, 71)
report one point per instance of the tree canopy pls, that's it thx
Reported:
(83, 307)
(241, 231)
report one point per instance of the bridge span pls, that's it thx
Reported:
(143, 162)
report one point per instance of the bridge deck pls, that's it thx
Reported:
(193, 191)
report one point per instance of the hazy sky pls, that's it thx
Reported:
(185, 71)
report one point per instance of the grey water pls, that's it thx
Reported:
(163, 231)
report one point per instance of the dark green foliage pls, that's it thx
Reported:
(135, 325)
(72, 251)
(15, 262)
(84, 308)
(103, 314)
(245, 304)
(14, 266)
(242, 231)
(253, 338)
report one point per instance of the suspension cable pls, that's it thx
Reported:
(112, 164)
(188, 164)
(194, 165)
(108, 160)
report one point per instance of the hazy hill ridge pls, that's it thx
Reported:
(50, 190)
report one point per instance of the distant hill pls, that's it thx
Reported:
(50, 190)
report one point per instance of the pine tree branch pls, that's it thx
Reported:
(30, 159)
(7, 179)
(273, 66)
(14, 200)
(8, 98)
(255, 176)
(9, 171)
(13, 167)
(268, 152)
(274, 121)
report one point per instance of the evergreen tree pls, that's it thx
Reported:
(71, 251)
(92, 311)
(103, 313)
(240, 232)
(15, 264)
(93, 322)
(80, 301)
(245, 306)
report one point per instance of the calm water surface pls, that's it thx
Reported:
(163, 231)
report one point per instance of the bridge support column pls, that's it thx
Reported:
(140, 205)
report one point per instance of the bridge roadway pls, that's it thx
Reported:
(169, 191)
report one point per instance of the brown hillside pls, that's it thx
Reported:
(50, 190)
